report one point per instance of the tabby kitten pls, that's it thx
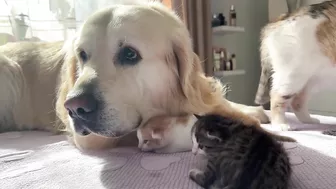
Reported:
(238, 156)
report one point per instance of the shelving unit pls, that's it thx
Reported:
(225, 30)
(228, 30)
(229, 73)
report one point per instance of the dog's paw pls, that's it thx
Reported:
(261, 115)
(258, 113)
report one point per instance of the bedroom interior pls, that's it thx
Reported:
(60, 21)
(42, 160)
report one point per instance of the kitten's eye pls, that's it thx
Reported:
(203, 147)
(83, 56)
(146, 141)
(128, 56)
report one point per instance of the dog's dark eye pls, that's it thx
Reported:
(83, 56)
(200, 146)
(145, 141)
(128, 56)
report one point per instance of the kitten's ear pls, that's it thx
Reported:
(197, 116)
(156, 135)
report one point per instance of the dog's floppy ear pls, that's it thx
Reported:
(68, 77)
(202, 93)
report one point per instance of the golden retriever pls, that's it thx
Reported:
(125, 65)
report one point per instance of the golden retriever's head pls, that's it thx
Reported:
(127, 64)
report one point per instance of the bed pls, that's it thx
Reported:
(42, 160)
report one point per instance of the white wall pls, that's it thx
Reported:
(308, 2)
(276, 8)
(252, 15)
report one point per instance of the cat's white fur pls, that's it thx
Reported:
(177, 138)
(300, 67)
(195, 147)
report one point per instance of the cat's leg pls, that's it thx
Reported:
(300, 106)
(286, 85)
(203, 178)
(278, 108)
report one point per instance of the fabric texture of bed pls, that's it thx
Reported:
(40, 160)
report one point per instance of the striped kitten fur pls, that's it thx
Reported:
(238, 156)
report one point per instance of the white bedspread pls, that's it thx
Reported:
(40, 160)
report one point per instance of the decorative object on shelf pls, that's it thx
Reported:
(223, 60)
(222, 20)
(219, 58)
(228, 65)
(216, 59)
(218, 20)
(21, 26)
(232, 16)
(215, 21)
(234, 62)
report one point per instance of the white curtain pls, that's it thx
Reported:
(46, 20)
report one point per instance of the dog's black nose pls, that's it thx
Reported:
(82, 106)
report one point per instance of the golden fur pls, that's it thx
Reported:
(169, 80)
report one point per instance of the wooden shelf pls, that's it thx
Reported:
(224, 30)
(229, 73)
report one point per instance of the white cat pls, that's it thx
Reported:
(165, 134)
(301, 48)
